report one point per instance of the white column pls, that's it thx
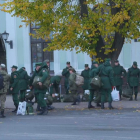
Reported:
(27, 48)
(11, 53)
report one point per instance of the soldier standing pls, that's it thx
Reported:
(72, 85)
(66, 74)
(23, 83)
(14, 89)
(39, 93)
(92, 74)
(133, 79)
(4, 90)
(119, 74)
(85, 75)
(106, 74)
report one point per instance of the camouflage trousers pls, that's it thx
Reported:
(2, 100)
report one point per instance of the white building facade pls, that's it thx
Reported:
(27, 50)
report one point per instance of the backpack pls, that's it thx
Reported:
(79, 81)
(96, 81)
(1, 82)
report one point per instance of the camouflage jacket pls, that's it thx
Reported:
(6, 78)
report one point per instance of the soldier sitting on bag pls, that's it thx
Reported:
(39, 92)
(72, 86)
(92, 74)
(133, 79)
(119, 74)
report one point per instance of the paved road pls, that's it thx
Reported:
(62, 124)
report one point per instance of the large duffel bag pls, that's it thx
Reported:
(56, 98)
(68, 98)
(127, 92)
(79, 80)
(45, 84)
(96, 82)
(29, 95)
(48, 98)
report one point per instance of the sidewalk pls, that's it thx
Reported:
(125, 103)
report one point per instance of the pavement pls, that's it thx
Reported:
(124, 103)
(68, 122)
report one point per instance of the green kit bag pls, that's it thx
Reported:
(29, 95)
(45, 84)
(96, 82)
(127, 92)
(48, 98)
(68, 98)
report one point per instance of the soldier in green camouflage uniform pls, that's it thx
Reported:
(85, 75)
(133, 79)
(72, 86)
(39, 93)
(66, 74)
(4, 90)
(14, 89)
(119, 74)
(54, 84)
(23, 83)
(106, 74)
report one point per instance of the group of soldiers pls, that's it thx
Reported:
(20, 81)
(111, 77)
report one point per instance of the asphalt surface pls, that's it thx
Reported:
(69, 124)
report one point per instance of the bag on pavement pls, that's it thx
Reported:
(21, 108)
(79, 80)
(115, 95)
(68, 98)
(56, 98)
(48, 98)
(127, 92)
(45, 84)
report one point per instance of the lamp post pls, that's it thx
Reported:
(5, 37)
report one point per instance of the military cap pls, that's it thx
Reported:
(135, 63)
(68, 63)
(95, 62)
(23, 67)
(38, 64)
(86, 65)
(116, 61)
(2, 66)
(47, 61)
(14, 67)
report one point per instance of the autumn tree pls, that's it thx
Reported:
(98, 28)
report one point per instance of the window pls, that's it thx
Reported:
(37, 53)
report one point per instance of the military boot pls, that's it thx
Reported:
(102, 105)
(49, 107)
(110, 105)
(135, 97)
(89, 105)
(98, 105)
(38, 108)
(43, 111)
(14, 111)
(2, 114)
(74, 103)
